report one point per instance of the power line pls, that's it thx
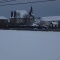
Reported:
(27, 2)
(4, 1)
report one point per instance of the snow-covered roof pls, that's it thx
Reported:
(51, 18)
(21, 13)
(2, 17)
(54, 22)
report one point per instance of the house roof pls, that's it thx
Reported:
(2, 17)
(21, 13)
(51, 18)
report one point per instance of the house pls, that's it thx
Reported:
(3, 21)
(17, 16)
(51, 21)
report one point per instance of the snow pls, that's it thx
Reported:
(56, 23)
(29, 45)
(34, 24)
(21, 13)
(37, 21)
(2, 17)
(51, 18)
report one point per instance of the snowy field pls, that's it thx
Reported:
(29, 45)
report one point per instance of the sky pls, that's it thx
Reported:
(42, 9)
(29, 45)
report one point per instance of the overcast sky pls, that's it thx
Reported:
(40, 9)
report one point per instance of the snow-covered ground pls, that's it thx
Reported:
(29, 45)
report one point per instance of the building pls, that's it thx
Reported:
(22, 17)
(3, 21)
(51, 21)
(17, 16)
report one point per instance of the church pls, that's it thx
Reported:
(22, 17)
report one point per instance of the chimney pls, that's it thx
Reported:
(11, 14)
(14, 14)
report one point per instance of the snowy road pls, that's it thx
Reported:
(29, 45)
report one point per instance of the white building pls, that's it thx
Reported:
(22, 17)
(50, 20)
